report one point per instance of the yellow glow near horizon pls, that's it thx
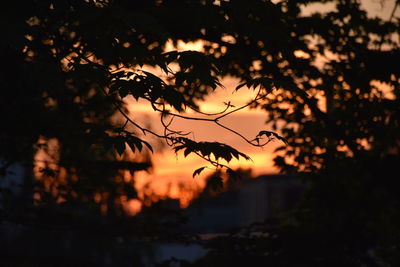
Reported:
(172, 177)
(182, 46)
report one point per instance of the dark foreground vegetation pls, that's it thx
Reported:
(327, 81)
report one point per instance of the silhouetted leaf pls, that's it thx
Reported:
(265, 83)
(148, 146)
(135, 142)
(198, 171)
(272, 135)
(174, 98)
(119, 144)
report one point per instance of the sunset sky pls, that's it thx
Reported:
(200, 132)
(172, 174)
(171, 169)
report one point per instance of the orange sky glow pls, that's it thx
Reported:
(171, 175)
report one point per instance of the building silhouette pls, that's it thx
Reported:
(255, 200)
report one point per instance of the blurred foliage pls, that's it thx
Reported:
(328, 81)
(68, 68)
(336, 102)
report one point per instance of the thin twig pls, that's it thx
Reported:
(170, 135)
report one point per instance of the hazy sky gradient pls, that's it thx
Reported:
(172, 171)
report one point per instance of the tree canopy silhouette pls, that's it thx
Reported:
(68, 69)
(337, 104)
(329, 81)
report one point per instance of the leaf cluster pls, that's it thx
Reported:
(212, 151)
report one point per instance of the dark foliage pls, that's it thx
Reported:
(328, 81)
